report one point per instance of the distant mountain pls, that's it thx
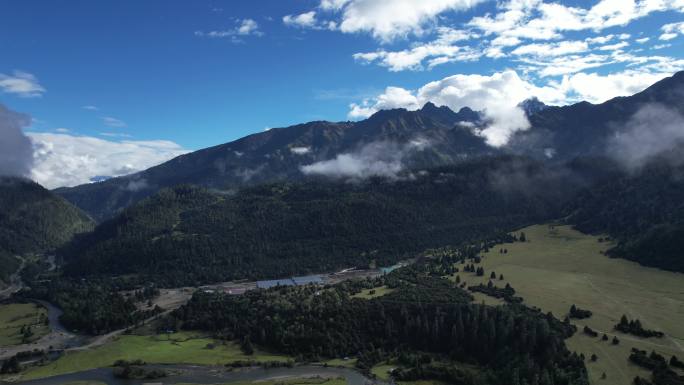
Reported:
(279, 153)
(585, 129)
(34, 220)
(190, 235)
(430, 137)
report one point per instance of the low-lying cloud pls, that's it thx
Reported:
(16, 152)
(653, 131)
(382, 159)
(69, 160)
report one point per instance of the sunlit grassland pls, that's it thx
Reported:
(179, 348)
(559, 266)
(373, 293)
(14, 316)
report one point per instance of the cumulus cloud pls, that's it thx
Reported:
(497, 96)
(68, 160)
(22, 84)
(654, 130)
(16, 153)
(537, 20)
(383, 159)
(388, 20)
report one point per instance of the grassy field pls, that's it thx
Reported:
(350, 363)
(559, 267)
(377, 292)
(383, 371)
(14, 316)
(293, 381)
(180, 348)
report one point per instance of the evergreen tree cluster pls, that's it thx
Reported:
(634, 327)
(189, 235)
(423, 313)
(642, 211)
(578, 313)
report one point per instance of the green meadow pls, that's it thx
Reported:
(559, 267)
(15, 316)
(179, 348)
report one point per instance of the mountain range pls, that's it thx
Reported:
(388, 142)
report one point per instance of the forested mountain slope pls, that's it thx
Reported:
(445, 137)
(279, 153)
(188, 234)
(33, 220)
(643, 211)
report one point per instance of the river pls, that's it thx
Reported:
(210, 375)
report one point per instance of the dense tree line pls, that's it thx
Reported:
(634, 327)
(642, 211)
(512, 344)
(90, 306)
(661, 373)
(188, 235)
(577, 313)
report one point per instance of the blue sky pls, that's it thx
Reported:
(161, 77)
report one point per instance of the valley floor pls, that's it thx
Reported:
(558, 267)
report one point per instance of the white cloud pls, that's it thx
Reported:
(248, 27)
(69, 160)
(440, 51)
(385, 159)
(551, 49)
(304, 20)
(22, 84)
(599, 39)
(643, 40)
(113, 122)
(387, 20)
(243, 27)
(652, 131)
(300, 150)
(537, 20)
(614, 47)
(671, 31)
(62, 130)
(90, 108)
(393, 97)
(498, 96)
(597, 88)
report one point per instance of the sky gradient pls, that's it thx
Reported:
(113, 87)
